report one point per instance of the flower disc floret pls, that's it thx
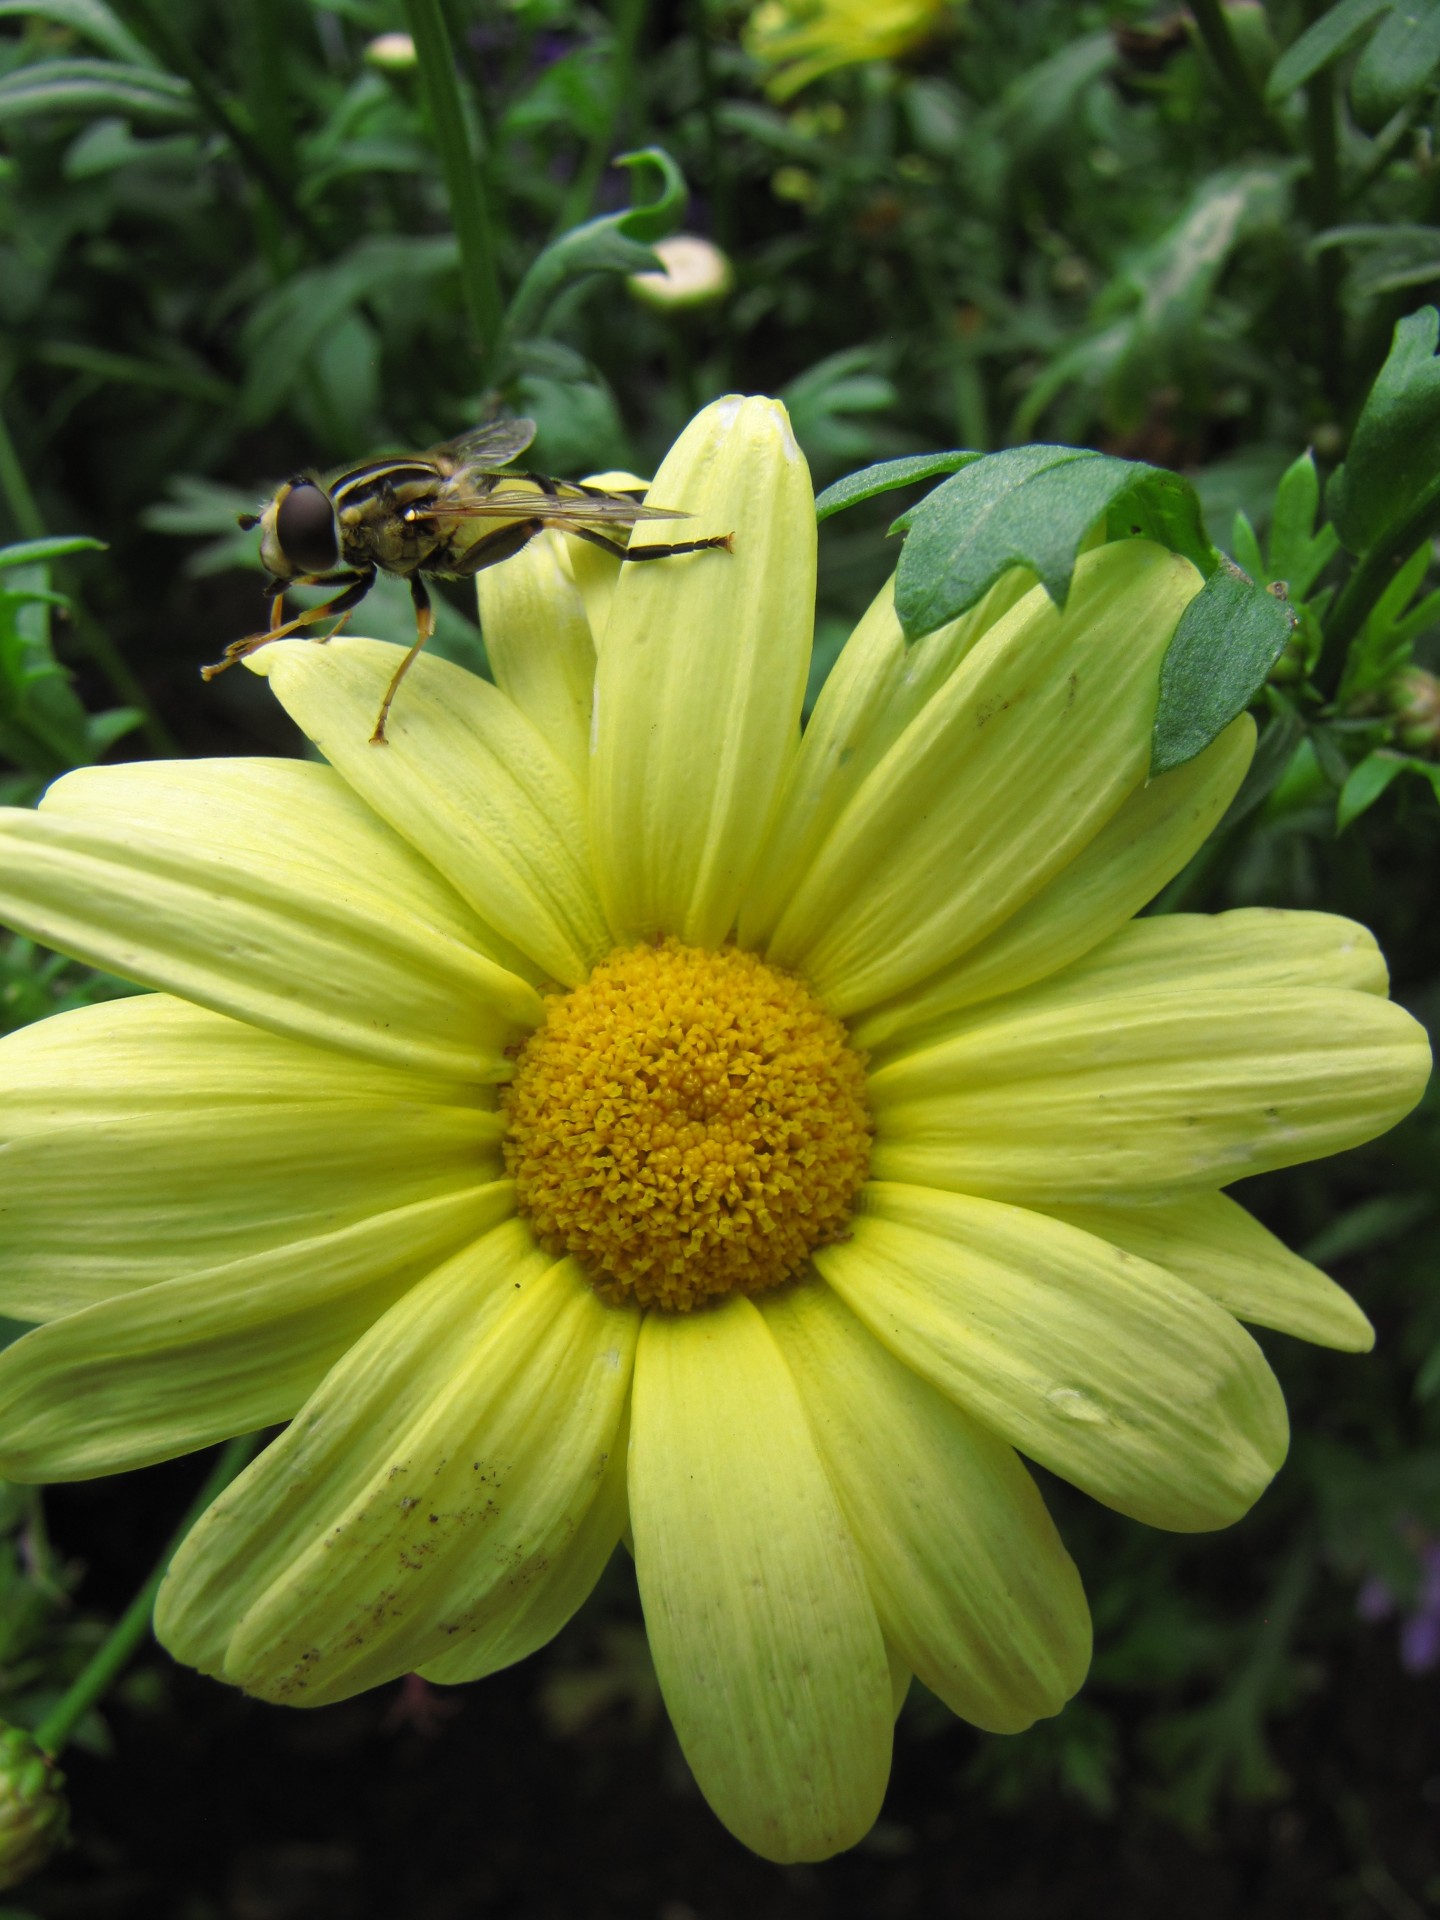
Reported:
(689, 1124)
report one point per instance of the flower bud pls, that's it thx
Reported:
(695, 273)
(1414, 701)
(391, 53)
(34, 1813)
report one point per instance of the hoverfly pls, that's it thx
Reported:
(449, 513)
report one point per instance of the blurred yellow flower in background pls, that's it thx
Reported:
(608, 1108)
(802, 39)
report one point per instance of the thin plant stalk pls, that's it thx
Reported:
(474, 233)
(177, 54)
(110, 1659)
(579, 201)
(1214, 30)
(21, 502)
(1322, 140)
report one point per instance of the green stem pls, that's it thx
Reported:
(717, 153)
(1321, 138)
(29, 523)
(1370, 579)
(629, 19)
(177, 53)
(468, 209)
(1220, 44)
(105, 1665)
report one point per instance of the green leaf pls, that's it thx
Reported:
(1033, 507)
(1366, 783)
(1298, 554)
(92, 19)
(615, 243)
(93, 87)
(885, 477)
(823, 400)
(1394, 456)
(27, 553)
(1229, 637)
(1333, 34)
(1398, 63)
(1246, 547)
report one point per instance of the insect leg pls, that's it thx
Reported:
(503, 544)
(342, 603)
(424, 627)
(725, 540)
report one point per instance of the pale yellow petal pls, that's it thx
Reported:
(1108, 1371)
(1142, 846)
(550, 1600)
(145, 1139)
(264, 890)
(595, 571)
(1211, 1241)
(175, 1366)
(1005, 774)
(537, 637)
(701, 679)
(466, 779)
(442, 1468)
(973, 1587)
(764, 1636)
(1149, 1094)
(874, 691)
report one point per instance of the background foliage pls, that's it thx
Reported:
(237, 241)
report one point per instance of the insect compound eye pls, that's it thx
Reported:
(305, 527)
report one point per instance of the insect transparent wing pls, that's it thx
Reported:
(493, 445)
(556, 510)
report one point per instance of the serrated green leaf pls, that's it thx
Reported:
(1394, 455)
(93, 87)
(1033, 507)
(1229, 637)
(92, 19)
(1398, 63)
(1366, 783)
(885, 477)
(26, 553)
(1333, 34)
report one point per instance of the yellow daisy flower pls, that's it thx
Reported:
(608, 1112)
(801, 40)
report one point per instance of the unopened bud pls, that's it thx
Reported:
(391, 53)
(1414, 701)
(695, 274)
(34, 1814)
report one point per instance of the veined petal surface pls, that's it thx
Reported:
(151, 1374)
(465, 778)
(1013, 766)
(764, 1635)
(1210, 1240)
(1110, 1372)
(702, 678)
(546, 1605)
(1141, 847)
(421, 1491)
(973, 1587)
(538, 641)
(876, 688)
(144, 1139)
(264, 890)
(1071, 1093)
